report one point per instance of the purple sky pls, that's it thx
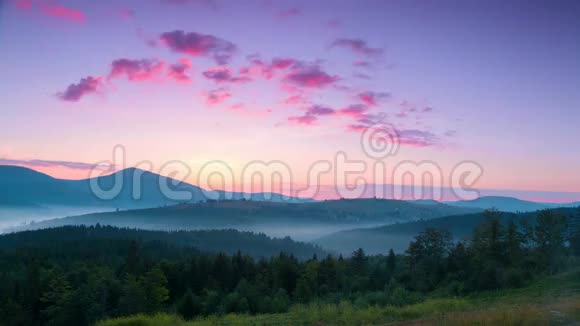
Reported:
(493, 82)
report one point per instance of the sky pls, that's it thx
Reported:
(489, 86)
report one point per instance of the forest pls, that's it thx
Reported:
(79, 275)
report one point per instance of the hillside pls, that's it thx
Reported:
(553, 300)
(505, 204)
(26, 186)
(379, 240)
(85, 240)
(280, 219)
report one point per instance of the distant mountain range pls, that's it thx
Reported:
(21, 187)
(278, 219)
(508, 204)
(378, 240)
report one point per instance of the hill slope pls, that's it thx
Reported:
(397, 236)
(279, 218)
(504, 204)
(227, 241)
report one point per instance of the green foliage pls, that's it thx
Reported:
(80, 275)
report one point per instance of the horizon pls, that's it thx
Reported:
(378, 85)
(532, 196)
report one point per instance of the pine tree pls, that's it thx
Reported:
(188, 307)
(391, 263)
(550, 237)
(132, 258)
(574, 235)
(358, 262)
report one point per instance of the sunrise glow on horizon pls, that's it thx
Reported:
(245, 81)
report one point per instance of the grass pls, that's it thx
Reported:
(551, 301)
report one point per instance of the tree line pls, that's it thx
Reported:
(75, 282)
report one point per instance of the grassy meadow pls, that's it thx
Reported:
(553, 300)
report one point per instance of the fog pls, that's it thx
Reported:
(14, 218)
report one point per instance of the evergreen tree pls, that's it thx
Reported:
(188, 306)
(154, 285)
(358, 262)
(549, 235)
(391, 263)
(574, 234)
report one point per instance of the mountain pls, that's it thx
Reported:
(504, 204)
(85, 239)
(28, 193)
(279, 219)
(378, 240)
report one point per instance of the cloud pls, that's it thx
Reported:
(372, 98)
(320, 110)
(258, 67)
(74, 92)
(358, 46)
(450, 133)
(136, 70)
(51, 8)
(363, 64)
(24, 4)
(48, 163)
(418, 138)
(212, 4)
(310, 77)
(303, 120)
(355, 110)
(362, 76)
(224, 75)
(64, 13)
(195, 45)
(408, 137)
(217, 96)
(311, 115)
(178, 71)
(237, 106)
(295, 100)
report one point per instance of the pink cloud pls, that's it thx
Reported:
(363, 64)
(178, 71)
(51, 8)
(74, 92)
(64, 13)
(136, 70)
(310, 77)
(268, 70)
(303, 120)
(195, 45)
(408, 137)
(311, 115)
(358, 46)
(372, 98)
(295, 100)
(217, 96)
(320, 110)
(418, 138)
(224, 75)
(24, 4)
(354, 110)
(237, 106)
